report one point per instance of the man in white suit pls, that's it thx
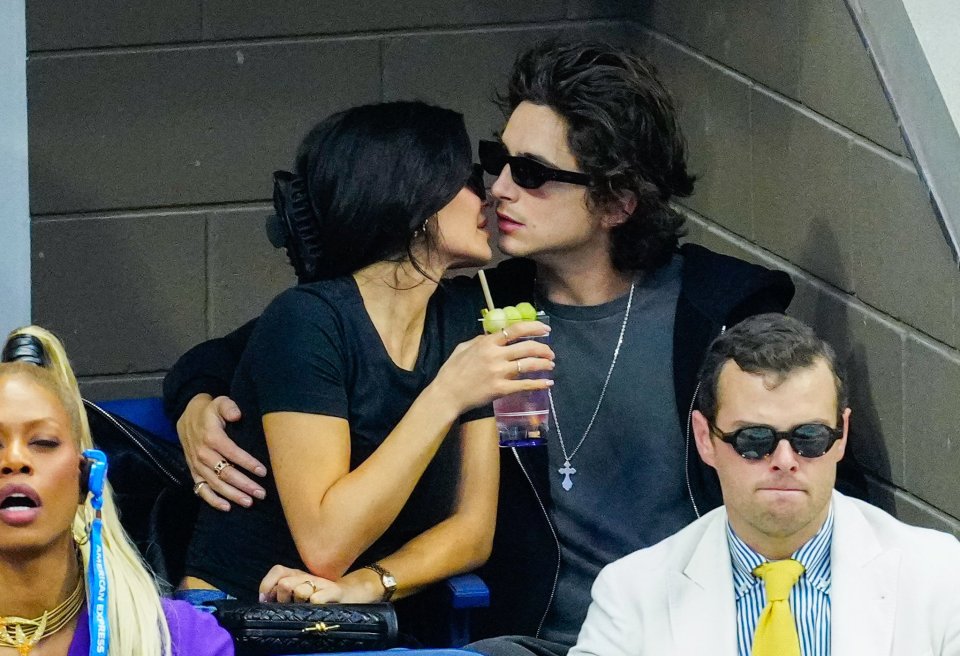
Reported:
(772, 420)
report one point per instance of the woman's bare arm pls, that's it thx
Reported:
(460, 543)
(335, 514)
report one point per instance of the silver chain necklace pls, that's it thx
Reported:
(567, 471)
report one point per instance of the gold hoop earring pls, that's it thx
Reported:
(83, 538)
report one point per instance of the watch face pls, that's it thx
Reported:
(389, 582)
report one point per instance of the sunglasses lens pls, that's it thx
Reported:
(811, 440)
(755, 442)
(475, 182)
(493, 157)
(527, 173)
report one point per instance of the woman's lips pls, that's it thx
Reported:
(17, 512)
(19, 516)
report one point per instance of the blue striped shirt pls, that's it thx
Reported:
(809, 598)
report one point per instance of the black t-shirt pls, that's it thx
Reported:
(315, 350)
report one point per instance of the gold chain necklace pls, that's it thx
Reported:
(23, 634)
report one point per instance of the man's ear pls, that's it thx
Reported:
(621, 209)
(841, 444)
(703, 439)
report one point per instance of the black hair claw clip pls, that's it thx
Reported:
(25, 348)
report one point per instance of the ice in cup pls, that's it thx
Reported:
(523, 418)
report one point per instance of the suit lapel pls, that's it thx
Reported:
(864, 585)
(703, 616)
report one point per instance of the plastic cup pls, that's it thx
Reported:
(523, 418)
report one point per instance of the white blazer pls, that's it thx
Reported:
(895, 591)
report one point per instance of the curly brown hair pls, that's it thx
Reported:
(623, 131)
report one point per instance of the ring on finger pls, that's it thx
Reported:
(506, 337)
(312, 585)
(219, 468)
(519, 369)
(197, 486)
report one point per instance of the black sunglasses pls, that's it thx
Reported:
(475, 182)
(526, 172)
(757, 442)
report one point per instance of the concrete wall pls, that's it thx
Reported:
(802, 168)
(154, 128)
(936, 23)
(14, 209)
(153, 136)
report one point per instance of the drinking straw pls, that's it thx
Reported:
(486, 289)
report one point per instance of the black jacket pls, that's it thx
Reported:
(716, 291)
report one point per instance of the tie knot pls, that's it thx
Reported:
(779, 576)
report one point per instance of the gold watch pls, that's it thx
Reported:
(386, 579)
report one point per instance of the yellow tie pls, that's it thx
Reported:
(776, 631)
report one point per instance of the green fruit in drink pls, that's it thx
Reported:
(494, 320)
(527, 311)
(512, 314)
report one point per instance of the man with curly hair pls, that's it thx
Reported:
(631, 316)
(586, 166)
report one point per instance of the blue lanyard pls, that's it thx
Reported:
(97, 597)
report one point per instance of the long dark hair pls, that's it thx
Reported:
(622, 128)
(375, 173)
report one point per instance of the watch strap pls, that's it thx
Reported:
(387, 580)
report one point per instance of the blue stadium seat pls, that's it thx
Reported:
(146, 413)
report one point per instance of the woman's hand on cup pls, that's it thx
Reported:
(490, 366)
(215, 461)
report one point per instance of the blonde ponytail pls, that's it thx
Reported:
(138, 625)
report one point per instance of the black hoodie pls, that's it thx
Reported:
(716, 292)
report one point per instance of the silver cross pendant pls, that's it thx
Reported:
(566, 471)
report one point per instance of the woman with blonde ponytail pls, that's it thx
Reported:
(46, 515)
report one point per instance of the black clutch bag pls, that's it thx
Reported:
(260, 629)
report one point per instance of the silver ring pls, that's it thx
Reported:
(505, 335)
(197, 486)
(519, 370)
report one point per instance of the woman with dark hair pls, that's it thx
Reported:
(350, 385)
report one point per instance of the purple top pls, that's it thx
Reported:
(192, 633)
